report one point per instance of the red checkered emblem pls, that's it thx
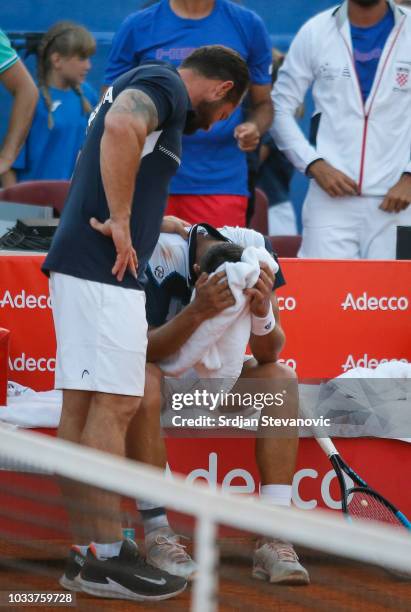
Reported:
(402, 77)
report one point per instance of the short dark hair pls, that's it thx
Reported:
(219, 254)
(221, 63)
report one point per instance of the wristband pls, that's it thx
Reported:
(261, 326)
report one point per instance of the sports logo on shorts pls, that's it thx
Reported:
(159, 271)
(402, 76)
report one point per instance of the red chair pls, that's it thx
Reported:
(39, 193)
(259, 219)
(286, 246)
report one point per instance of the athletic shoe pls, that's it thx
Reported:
(70, 579)
(127, 576)
(277, 562)
(165, 551)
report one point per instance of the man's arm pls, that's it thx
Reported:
(293, 81)
(267, 349)
(21, 86)
(9, 178)
(294, 78)
(260, 118)
(132, 117)
(175, 225)
(212, 297)
(260, 108)
(167, 339)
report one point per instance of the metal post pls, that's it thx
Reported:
(206, 583)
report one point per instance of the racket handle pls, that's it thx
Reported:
(327, 446)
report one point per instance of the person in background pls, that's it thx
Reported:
(274, 176)
(211, 184)
(66, 101)
(18, 82)
(357, 58)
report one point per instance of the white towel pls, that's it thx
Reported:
(216, 349)
(28, 408)
(390, 381)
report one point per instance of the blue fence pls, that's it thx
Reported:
(282, 17)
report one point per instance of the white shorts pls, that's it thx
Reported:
(282, 220)
(101, 333)
(351, 227)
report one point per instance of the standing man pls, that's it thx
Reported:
(211, 184)
(18, 82)
(357, 57)
(109, 228)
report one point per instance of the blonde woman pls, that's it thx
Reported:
(61, 116)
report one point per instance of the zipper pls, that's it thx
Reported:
(363, 147)
(367, 115)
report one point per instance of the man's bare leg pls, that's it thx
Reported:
(144, 441)
(97, 420)
(108, 419)
(276, 456)
(145, 444)
(74, 414)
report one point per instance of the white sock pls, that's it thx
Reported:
(278, 495)
(154, 517)
(82, 549)
(106, 551)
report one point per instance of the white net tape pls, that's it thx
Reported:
(319, 530)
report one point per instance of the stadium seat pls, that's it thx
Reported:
(286, 246)
(259, 219)
(39, 193)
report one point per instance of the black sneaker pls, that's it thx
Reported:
(70, 580)
(127, 576)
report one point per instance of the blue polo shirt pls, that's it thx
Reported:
(212, 163)
(368, 44)
(79, 250)
(51, 154)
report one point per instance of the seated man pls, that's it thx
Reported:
(173, 318)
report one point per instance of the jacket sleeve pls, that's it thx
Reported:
(294, 79)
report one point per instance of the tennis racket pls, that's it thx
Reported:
(361, 501)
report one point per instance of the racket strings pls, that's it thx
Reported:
(366, 505)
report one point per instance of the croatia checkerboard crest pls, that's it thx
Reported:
(402, 76)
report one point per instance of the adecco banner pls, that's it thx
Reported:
(25, 311)
(346, 314)
(230, 462)
(336, 314)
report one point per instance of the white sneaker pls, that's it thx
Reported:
(164, 551)
(277, 562)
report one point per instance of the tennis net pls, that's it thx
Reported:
(347, 561)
